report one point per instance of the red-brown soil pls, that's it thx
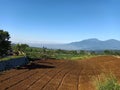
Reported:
(59, 74)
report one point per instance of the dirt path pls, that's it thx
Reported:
(59, 74)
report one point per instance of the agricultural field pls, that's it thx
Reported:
(60, 74)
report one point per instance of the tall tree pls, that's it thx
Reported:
(5, 44)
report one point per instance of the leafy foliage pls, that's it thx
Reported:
(5, 44)
(44, 53)
(112, 52)
(19, 49)
(109, 83)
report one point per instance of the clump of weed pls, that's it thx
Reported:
(107, 82)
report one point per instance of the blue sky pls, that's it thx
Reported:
(60, 21)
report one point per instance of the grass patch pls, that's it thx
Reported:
(72, 57)
(107, 82)
(82, 57)
(10, 57)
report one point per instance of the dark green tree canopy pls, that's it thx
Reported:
(5, 44)
(4, 36)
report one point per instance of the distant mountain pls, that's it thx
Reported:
(88, 44)
(95, 44)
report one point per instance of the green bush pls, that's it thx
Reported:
(108, 83)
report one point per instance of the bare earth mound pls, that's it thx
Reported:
(59, 74)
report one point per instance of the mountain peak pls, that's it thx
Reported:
(112, 40)
(92, 39)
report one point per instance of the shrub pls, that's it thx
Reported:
(108, 82)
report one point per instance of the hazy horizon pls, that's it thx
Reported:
(60, 21)
(53, 43)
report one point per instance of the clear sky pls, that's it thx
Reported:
(60, 21)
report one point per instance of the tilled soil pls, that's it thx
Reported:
(59, 74)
